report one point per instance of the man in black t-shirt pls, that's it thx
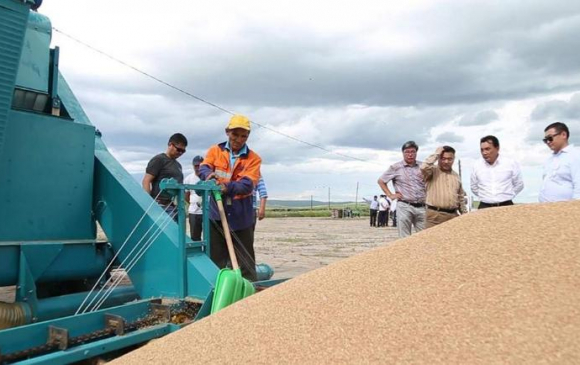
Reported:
(164, 166)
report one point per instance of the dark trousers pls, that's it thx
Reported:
(255, 219)
(383, 218)
(483, 205)
(243, 241)
(195, 224)
(394, 218)
(170, 209)
(373, 217)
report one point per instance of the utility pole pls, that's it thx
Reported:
(356, 197)
(459, 166)
(329, 198)
(310, 202)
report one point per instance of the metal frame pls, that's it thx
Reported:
(99, 190)
(59, 332)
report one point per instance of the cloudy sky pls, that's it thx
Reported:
(357, 78)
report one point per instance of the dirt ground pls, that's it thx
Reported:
(292, 246)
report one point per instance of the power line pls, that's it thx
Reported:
(201, 99)
(142, 72)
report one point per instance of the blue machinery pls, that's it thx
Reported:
(57, 180)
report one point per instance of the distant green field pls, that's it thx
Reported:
(300, 208)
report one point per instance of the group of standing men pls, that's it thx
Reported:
(425, 194)
(429, 194)
(236, 169)
(381, 209)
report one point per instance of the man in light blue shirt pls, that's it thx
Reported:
(561, 180)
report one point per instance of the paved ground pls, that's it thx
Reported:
(292, 246)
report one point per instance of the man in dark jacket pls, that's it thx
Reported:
(236, 169)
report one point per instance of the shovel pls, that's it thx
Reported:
(230, 285)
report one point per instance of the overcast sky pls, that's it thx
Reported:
(358, 78)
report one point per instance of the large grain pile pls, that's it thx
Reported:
(496, 286)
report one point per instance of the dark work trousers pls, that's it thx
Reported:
(195, 224)
(373, 217)
(394, 218)
(243, 241)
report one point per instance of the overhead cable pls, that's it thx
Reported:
(202, 99)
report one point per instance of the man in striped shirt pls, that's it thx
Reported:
(445, 195)
(409, 190)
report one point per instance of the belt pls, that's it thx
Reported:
(507, 202)
(416, 205)
(444, 210)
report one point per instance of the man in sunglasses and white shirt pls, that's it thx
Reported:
(162, 166)
(561, 179)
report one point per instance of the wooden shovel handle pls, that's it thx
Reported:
(226, 229)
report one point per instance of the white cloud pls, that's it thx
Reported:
(356, 78)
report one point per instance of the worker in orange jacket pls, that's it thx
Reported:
(237, 170)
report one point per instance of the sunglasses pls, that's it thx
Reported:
(179, 149)
(550, 139)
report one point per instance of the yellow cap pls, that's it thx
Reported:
(239, 121)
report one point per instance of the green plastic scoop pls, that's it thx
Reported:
(230, 285)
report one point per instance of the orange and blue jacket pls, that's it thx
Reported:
(239, 179)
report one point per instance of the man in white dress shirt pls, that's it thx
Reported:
(383, 211)
(495, 179)
(561, 180)
(373, 211)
